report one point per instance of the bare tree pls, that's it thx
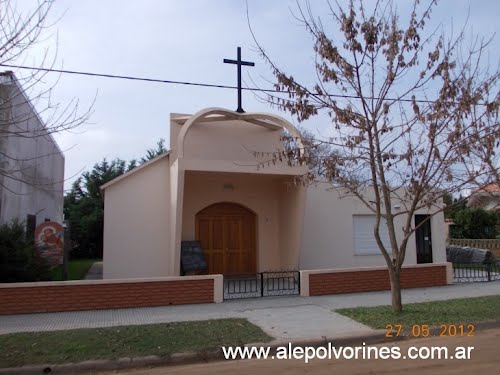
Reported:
(28, 117)
(318, 150)
(415, 113)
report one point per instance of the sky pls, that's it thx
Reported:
(183, 41)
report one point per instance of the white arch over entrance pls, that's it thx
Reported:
(266, 120)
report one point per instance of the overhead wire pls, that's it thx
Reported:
(199, 84)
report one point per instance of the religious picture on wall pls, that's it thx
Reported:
(49, 241)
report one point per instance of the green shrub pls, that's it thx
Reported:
(18, 260)
(475, 223)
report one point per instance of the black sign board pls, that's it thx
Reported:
(192, 258)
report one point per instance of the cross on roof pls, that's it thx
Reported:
(239, 63)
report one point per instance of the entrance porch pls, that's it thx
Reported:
(246, 223)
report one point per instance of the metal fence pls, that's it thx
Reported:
(490, 244)
(262, 284)
(474, 272)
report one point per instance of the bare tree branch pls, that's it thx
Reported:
(391, 148)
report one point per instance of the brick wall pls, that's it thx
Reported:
(374, 279)
(22, 298)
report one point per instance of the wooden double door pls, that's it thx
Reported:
(228, 238)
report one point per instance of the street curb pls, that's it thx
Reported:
(377, 337)
(115, 364)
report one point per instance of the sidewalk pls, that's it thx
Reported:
(284, 318)
(95, 272)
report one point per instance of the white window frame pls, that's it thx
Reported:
(359, 244)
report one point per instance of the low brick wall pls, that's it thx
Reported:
(370, 279)
(21, 298)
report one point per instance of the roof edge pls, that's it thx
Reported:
(23, 92)
(132, 171)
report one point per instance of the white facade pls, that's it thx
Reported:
(33, 165)
(151, 209)
(329, 239)
(136, 223)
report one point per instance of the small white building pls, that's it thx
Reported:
(31, 165)
(248, 219)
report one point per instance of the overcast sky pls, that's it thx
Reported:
(184, 41)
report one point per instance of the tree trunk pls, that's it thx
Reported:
(394, 275)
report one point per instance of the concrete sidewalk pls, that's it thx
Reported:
(285, 318)
(95, 272)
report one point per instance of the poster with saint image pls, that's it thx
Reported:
(49, 242)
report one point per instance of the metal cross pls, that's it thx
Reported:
(239, 63)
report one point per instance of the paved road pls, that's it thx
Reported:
(484, 359)
(284, 318)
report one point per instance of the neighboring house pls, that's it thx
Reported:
(487, 198)
(248, 218)
(31, 163)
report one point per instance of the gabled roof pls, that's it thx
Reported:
(134, 170)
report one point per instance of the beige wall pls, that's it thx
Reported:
(234, 140)
(292, 206)
(266, 196)
(439, 236)
(218, 153)
(176, 199)
(136, 224)
(229, 146)
(229, 140)
(327, 240)
(149, 211)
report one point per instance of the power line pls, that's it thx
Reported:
(131, 78)
(199, 84)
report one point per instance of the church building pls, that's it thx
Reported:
(218, 185)
(209, 188)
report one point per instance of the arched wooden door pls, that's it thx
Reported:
(228, 238)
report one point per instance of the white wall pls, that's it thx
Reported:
(439, 235)
(327, 240)
(136, 223)
(37, 160)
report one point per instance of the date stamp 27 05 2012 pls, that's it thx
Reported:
(425, 330)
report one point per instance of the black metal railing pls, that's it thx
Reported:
(280, 283)
(262, 284)
(242, 286)
(474, 272)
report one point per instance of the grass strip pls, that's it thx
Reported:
(78, 345)
(77, 269)
(435, 313)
